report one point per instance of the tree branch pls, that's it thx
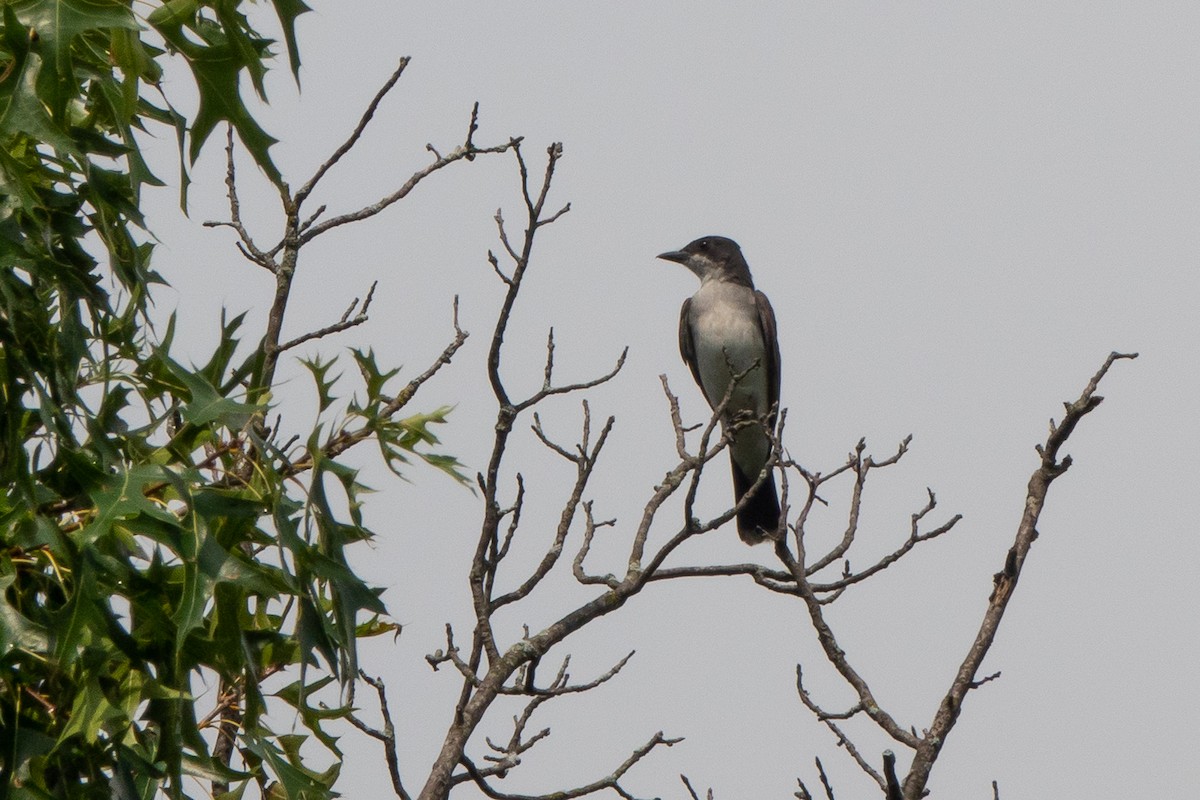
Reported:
(1005, 581)
(611, 781)
(345, 323)
(465, 151)
(387, 735)
(304, 191)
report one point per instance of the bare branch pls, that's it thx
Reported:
(245, 245)
(549, 391)
(495, 262)
(861, 466)
(387, 735)
(585, 463)
(560, 687)
(308, 223)
(1005, 582)
(406, 394)
(478, 692)
(835, 654)
(692, 792)
(690, 468)
(345, 323)
(536, 427)
(451, 654)
(611, 781)
(773, 579)
(844, 741)
(304, 191)
(889, 772)
(985, 679)
(817, 711)
(521, 263)
(915, 537)
(466, 151)
(824, 779)
(499, 217)
(498, 550)
(676, 418)
(549, 369)
(589, 531)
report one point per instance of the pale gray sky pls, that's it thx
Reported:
(957, 210)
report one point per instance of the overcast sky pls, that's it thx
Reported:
(957, 209)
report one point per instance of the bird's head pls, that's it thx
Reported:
(713, 258)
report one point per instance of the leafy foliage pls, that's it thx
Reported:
(156, 542)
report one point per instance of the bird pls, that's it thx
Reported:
(727, 328)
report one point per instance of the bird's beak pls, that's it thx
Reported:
(678, 256)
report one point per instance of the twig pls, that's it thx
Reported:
(889, 772)
(345, 323)
(987, 679)
(1005, 582)
(304, 191)
(835, 654)
(465, 151)
(824, 779)
(861, 466)
(915, 537)
(844, 741)
(589, 531)
(818, 712)
(611, 781)
(245, 245)
(692, 792)
(585, 463)
(387, 735)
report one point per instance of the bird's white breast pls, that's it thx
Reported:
(726, 332)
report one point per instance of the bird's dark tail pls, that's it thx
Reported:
(759, 518)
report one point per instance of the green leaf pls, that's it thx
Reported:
(207, 769)
(288, 11)
(16, 630)
(21, 107)
(214, 371)
(80, 620)
(90, 714)
(133, 56)
(122, 497)
(216, 65)
(374, 377)
(313, 636)
(376, 626)
(58, 22)
(320, 373)
(235, 793)
(206, 404)
(237, 32)
(123, 111)
(296, 782)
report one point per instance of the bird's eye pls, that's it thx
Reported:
(704, 244)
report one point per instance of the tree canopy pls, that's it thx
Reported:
(154, 532)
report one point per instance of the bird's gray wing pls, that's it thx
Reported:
(766, 322)
(687, 348)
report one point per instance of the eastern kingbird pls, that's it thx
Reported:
(725, 329)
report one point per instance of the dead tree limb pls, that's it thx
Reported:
(1005, 582)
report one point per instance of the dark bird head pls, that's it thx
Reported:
(713, 258)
